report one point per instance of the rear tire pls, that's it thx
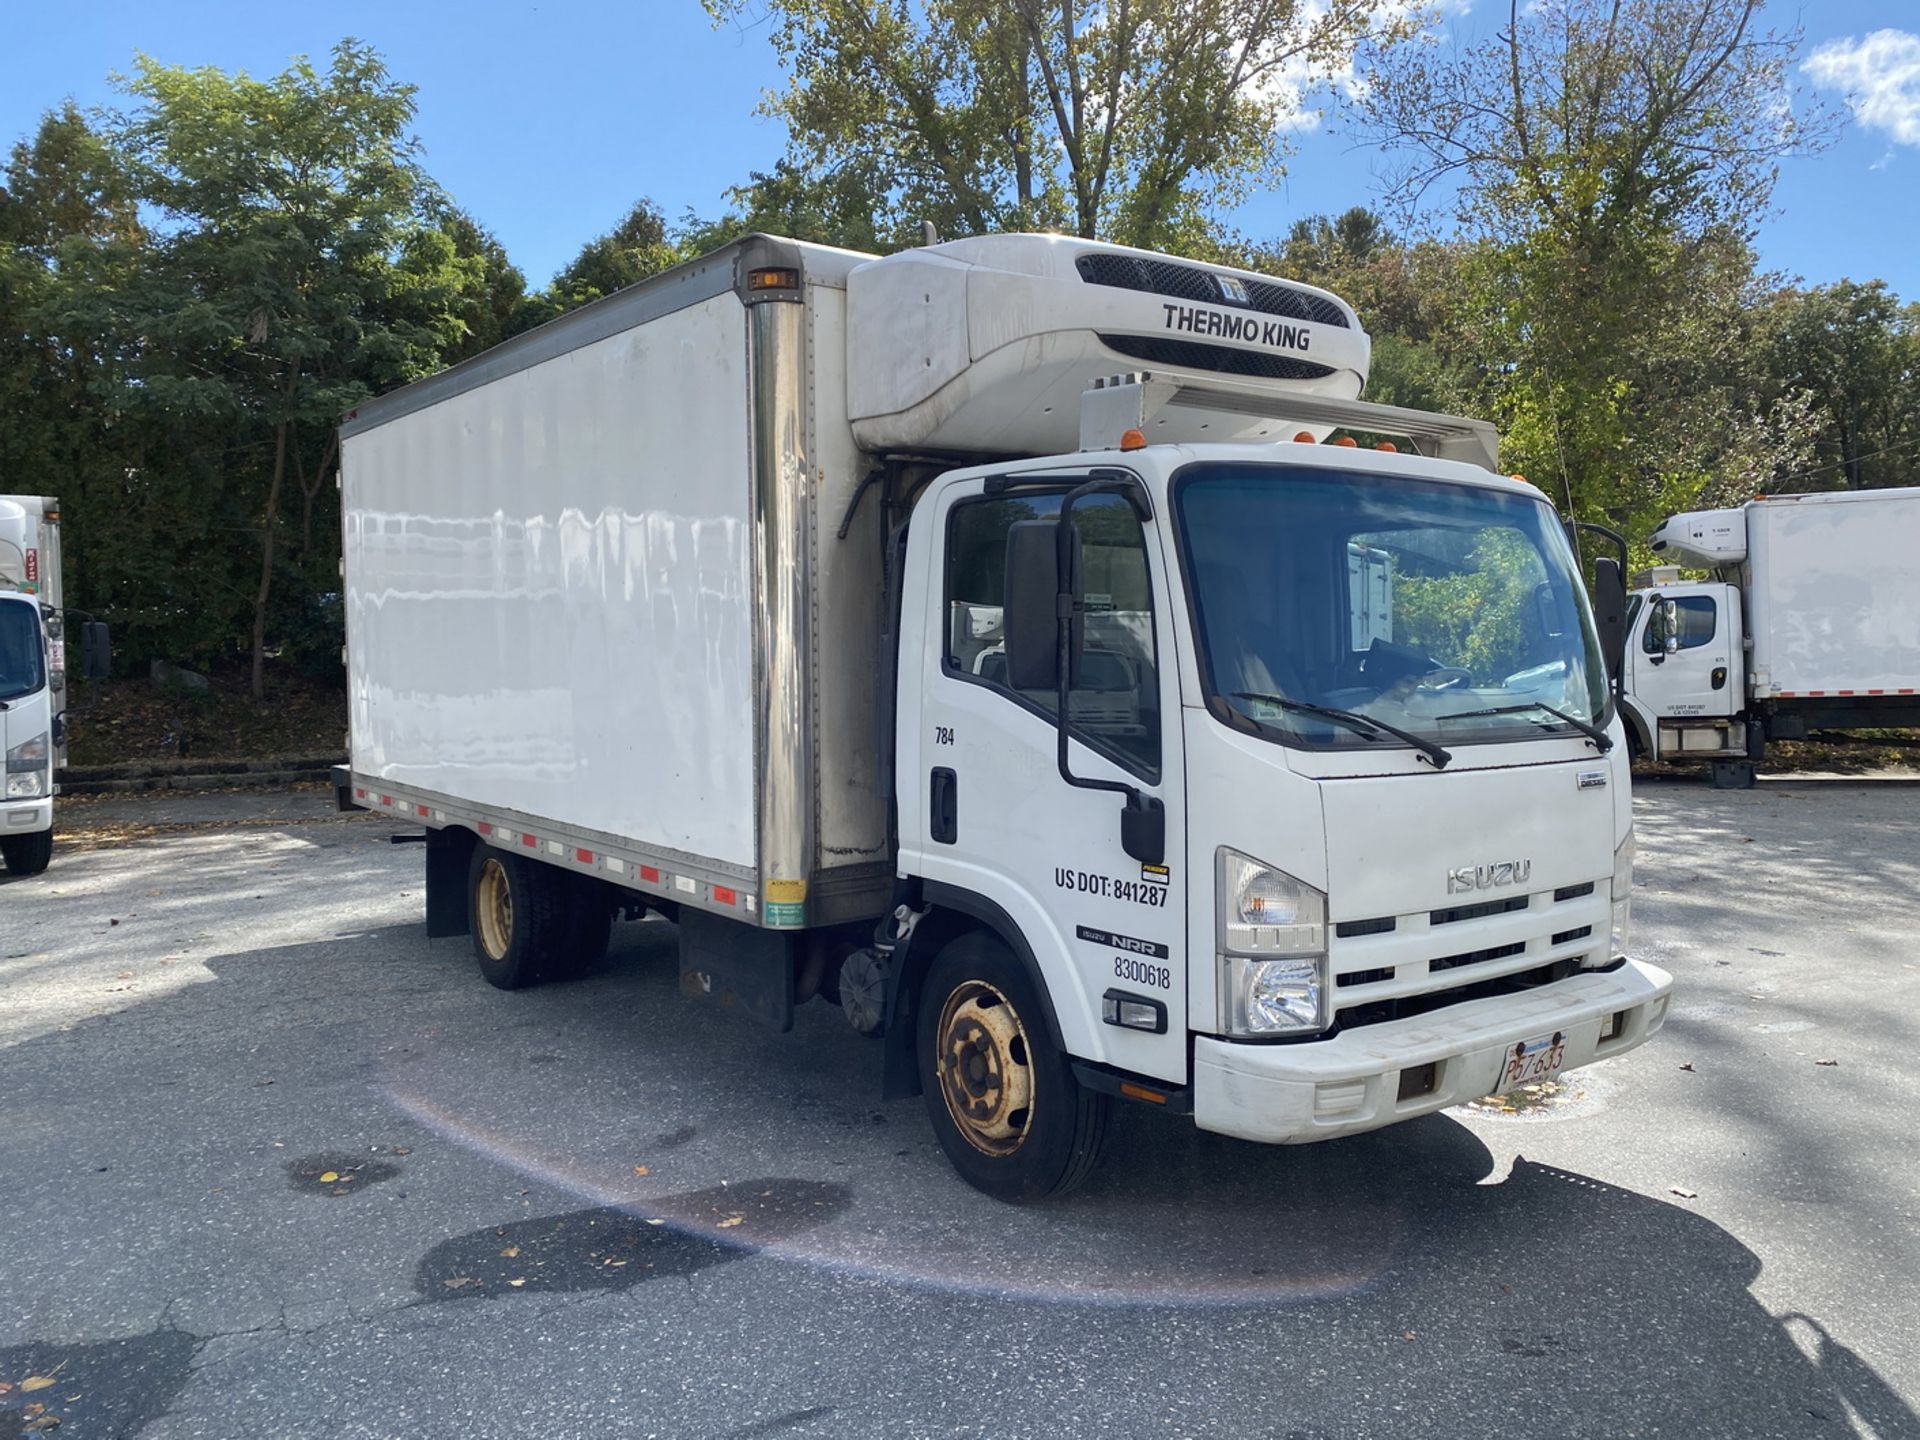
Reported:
(28, 854)
(515, 915)
(589, 918)
(1004, 1102)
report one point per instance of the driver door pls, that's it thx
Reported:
(990, 812)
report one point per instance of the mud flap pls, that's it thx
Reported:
(448, 854)
(742, 967)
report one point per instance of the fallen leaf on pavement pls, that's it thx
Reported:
(459, 1280)
(511, 1251)
(641, 1170)
(1411, 1335)
(1826, 1062)
(1683, 1194)
(1687, 1066)
(516, 1283)
(329, 1177)
(36, 1382)
(731, 1221)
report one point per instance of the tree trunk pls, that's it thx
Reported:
(266, 560)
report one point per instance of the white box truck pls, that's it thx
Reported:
(980, 637)
(33, 678)
(1810, 619)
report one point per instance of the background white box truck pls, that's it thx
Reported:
(1811, 618)
(33, 679)
(1089, 735)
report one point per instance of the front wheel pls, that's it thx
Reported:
(1003, 1099)
(28, 854)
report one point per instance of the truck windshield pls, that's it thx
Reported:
(1424, 605)
(22, 666)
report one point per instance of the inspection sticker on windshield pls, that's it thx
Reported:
(1531, 1062)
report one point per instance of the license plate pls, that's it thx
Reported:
(1531, 1062)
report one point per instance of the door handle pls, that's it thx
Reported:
(1719, 677)
(943, 806)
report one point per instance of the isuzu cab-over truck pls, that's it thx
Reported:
(1810, 619)
(981, 637)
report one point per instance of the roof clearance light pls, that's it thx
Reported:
(1133, 440)
(1388, 446)
(1305, 437)
(773, 280)
(1347, 442)
(1521, 478)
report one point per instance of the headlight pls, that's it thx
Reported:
(1272, 936)
(27, 769)
(1622, 897)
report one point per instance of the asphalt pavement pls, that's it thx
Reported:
(271, 1163)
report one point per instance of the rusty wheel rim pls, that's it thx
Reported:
(986, 1069)
(496, 909)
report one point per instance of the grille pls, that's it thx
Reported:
(1409, 965)
(1190, 282)
(1379, 1011)
(1350, 929)
(1193, 355)
(1478, 912)
(1477, 957)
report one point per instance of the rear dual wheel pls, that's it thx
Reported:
(532, 922)
(1005, 1105)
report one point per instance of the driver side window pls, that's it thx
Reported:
(1695, 619)
(1114, 704)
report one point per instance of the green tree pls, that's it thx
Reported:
(70, 233)
(1130, 120)
(1853, 352)
(290, 280)
(1615, 155)
(637, 247)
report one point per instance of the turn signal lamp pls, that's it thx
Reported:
(1133, 440)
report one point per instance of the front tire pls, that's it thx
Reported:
(515, 916)
(28, 854)
(1004, 1103)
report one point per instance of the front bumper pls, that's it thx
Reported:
(1293, 1094)
(25, 817)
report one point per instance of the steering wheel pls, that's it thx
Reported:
(1445, 678)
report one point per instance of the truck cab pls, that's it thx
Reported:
(1361, 697)
(1685, 687)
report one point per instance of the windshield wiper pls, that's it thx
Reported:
(1354, 720)
(1602, 741)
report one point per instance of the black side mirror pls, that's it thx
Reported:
(96, 650)
(1610, 613)
(1030, 620)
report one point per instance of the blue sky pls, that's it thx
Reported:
(547, 119)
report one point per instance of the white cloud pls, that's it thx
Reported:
(1881, 75)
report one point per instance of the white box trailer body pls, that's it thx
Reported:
(726, 597)
(1811, 619)
(33, 679)
(584, 591)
